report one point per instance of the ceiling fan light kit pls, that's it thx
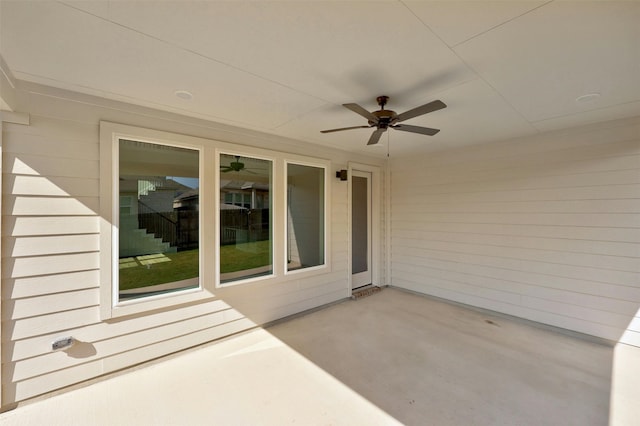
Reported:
(384, 119)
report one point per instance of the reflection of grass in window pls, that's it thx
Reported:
(174, 267)
(184, 265)
(239, 257)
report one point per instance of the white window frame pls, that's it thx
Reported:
(321, 164)
(209, 218)
(260, 155)
(110, 307)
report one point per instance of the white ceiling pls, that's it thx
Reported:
(504, 68)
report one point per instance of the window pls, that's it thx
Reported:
(246, 243)
(182, 216)
(152, 208)
(305, 216)
(158, 225)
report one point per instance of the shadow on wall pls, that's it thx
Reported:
(81, 350)
(51, 275)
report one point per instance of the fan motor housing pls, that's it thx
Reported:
(386, 118)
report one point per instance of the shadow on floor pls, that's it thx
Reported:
(424, 362)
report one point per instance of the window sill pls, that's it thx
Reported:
(158, 302)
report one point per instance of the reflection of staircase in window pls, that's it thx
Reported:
(137, 241)
(152, 227)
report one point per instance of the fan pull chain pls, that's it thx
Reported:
(388, 144)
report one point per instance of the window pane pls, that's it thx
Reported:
(245, 218)
(359, 224)
(305, 216)
(159, 219)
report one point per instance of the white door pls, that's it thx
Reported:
(360, 228)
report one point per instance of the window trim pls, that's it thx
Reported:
(110, 306)
(260, 155)
(209, 218)
(325, 165)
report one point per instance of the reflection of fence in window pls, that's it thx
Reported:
(244, 225)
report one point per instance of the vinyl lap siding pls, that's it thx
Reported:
(546, 228)
(50, 247)
(50, 267)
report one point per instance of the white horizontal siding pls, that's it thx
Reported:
(514, 279)
(19, 205)
(48, 323)
(623, 191)
(44, 186)
(43, 265)
(102, 331)
(610, 248)
(545, 317)
(547, 254)
(51, 253)
(548, 269)
(538, 167)
(613, 220)
(17, 288)
(57, 378)
(546, 228)
(49, 225)
(49, 304)
(57, 244)
(38, 165)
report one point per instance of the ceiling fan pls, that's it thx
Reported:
(384, 119)
(235, 166)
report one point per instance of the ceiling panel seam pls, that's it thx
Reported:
(471, 68)
(500, 25)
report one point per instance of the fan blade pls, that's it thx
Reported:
(363, 112)
(375, 136)
(344, 128)
(424, 109)
(224, 169)
(416, 129)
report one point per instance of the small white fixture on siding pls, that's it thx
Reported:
(62, 343)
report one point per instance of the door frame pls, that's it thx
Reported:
(364, 277)
(376, 223)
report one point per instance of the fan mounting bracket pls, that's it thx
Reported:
(382, 101)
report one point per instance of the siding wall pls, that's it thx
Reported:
(545, 228)
(50, 251)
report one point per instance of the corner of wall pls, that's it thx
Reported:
(7, 87)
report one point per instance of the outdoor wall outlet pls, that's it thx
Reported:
(62, 343)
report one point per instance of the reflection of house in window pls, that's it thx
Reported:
(244, 211)
(188, 200)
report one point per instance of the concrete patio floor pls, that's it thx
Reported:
(393, 357)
